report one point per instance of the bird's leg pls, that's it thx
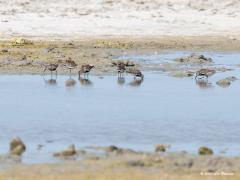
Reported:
(44, 70)
(196, 76)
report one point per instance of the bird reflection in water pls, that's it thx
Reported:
(136, 82)
(85, 81)
(120, 80)
(70, 82)
(51, 82)
(203, 84)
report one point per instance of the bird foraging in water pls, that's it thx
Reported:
(70, 64)
(136, 73)
(205, 73)
(51, 68)
(121, 67)
(85, 69)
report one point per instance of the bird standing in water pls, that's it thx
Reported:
(136, 73)
(51, 68)
(205, 73)
(70, 64)
(85, 69)
(121, 67)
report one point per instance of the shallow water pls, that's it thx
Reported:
(106, 111)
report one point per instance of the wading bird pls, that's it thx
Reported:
(204, 73)
(136, 73)
(85, 69)
(70, 64)
(121, 67)
(51, 68)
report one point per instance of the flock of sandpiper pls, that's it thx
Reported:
(121, 68)
(86, 68)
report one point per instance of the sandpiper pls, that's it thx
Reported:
(70, 64)
(85, 69)
(205, 73)
(51, 68)
(121, 67)
(136, 73)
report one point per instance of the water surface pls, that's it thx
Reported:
(123, 112)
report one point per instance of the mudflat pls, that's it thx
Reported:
(17, 58)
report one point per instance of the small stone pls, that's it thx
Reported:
(112, 148)
(181, 74)
(70, 151)
(226, 81)
(17, 147)
(231, 78)
(160, 148)
(20, 41)
(194, 59)
(136, 163)
(205, 151)
(4, 50)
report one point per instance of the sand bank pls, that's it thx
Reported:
(131, 166)
(29, 58)
(73, 18)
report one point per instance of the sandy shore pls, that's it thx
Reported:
(74, 18)
(128, 164)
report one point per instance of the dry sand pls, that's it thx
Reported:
(78, 18)
(132, 165)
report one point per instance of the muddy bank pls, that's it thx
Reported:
(116, 163)
(29, 57)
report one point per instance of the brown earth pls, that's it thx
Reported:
(100, 51)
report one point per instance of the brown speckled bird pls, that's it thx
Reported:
(136, 73)
(121, 67)
(205, 73)
(51, 68)
(70, 64)
(85, 69)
